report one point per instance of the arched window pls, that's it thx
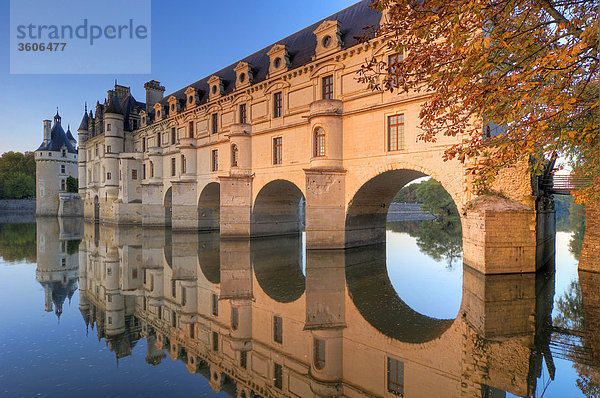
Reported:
(319, 142)
(234, 155)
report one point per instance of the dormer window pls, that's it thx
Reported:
(216, 87)
(64, 153)
(192, 96)
(158, 114)
(243, 71)
(172, 107)
(329, 38)
(280, 61)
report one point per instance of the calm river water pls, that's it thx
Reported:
(99, 311)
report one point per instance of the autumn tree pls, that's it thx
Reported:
(516, 80)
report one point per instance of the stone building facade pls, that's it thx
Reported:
(55, 160)
(240, 149)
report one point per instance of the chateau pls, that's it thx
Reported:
(241, 149)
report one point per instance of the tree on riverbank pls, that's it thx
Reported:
(530, 66)
(17, 175)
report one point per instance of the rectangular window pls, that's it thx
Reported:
(243, 113)
(144, 171)
(214, 163)
(144, 144)
(134, 174)
(234, 318)
(183, 164)
(109, 298)
(191, 129)
(395, 377)
(215, 123)
(151, 169)
(277, 104)
(108, 126)
(243, 359)
(173, 136)
(64, 153)
(327, 87)
(173, 319)
(277, 150)
(63, 262)
(108, 272)
(393, 63)
(277, 329)
(158, 139)
(174, 288)
(173, 166)
(183, 296)
(96, 150)
(395, 132)
(134, 273)
(192, 329)
(159, 314)
(215, 305)
(278, 376)
(108, 175)
(215, 341)
(110, 320)
(108, 149)
(63, 247)
(63, 169)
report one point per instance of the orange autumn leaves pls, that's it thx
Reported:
(528, 66)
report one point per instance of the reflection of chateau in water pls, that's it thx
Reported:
(58, 259)
(244, 315)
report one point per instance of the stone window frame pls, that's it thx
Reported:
(214, 123)
(400, 144)
(327, 87)
(235, 155)
(63, 169)
(319, 351)
(173, 167)
(243, 113)
(319, 149)
(277, 150)
(214, 160)
(277, 104)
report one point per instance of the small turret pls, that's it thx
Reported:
(70, 137)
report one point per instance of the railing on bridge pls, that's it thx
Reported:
(564, 184)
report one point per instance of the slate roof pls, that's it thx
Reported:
(356, 21)
(58, 139)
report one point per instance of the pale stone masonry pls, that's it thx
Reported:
(239, 150)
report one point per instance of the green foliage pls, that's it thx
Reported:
(570, 308)
(17, 175)
(434, 199)
(408, 194)
(18, 243)
(72, 184)
(73, 246)
(570, 217)
(18, 185)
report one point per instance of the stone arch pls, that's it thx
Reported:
(277, 210)
(277, 264)
(168, 205)
(209, 205)
(373, 295)
(366, 211)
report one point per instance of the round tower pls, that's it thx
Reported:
(56, 159)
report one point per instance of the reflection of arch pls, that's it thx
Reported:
(277, 263)
(209, 204)
(367, 211)
(375, 298)
(209, 256)
(168, 204)
(277, 210)
(96, 209)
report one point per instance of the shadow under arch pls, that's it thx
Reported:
(168, 204)
(277, 210)
(209, 207)
(209, 257)
(277, 264)
(378, 302)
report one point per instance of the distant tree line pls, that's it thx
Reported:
(17, 175)
(441, 239)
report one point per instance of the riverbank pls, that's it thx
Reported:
(17, 211)
(407, 212)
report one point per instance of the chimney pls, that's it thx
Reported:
(154, 93)
(47, 129)
(122, 91)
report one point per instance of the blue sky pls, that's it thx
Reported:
(190, 40)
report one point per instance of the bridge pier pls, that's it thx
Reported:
(236, 206)
(325, 215)
(499, 236)
(184, 209)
